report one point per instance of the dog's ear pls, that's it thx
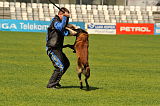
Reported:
(71, 26)
(80, 31)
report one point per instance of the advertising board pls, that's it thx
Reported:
(29, 25)
(135, 28)
(157, 29)
(101, 28)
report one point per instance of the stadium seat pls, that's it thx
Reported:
(80, 20)
(121, 8)
(39, 5)
(129, 21)
(129, 17)
(116, 8)
(45, 5)
(124, 21)
(77, 6)
(100, 7)
(140, 17)
(133, 12)
(104, 7)
(107, 21)
(34, 5)
(113, 21)
(111, 12)
(88, 7)
(29, 5)
(140, 21)
(105, 12)
(74, 20)
(132, 8)
(86, 13)
(122, 12)
(12, 9)
(135, 21)
(116, 12)
(118, 21)
(151, 21)
(67, 6)
(47, 19)
(137, 8)
(84, 16)
(102, 21)
(126, 8)
(107, 17)
(143, 8)
(11, 4)
(127, 12)
(95, 12)
(150, 13)
(17, 4)
(123, 17)
(83, 7)
(70, 20)
(154, 8)
(139, 13)
(94, 7)
(110, 7)
(145, 16)
(112, 17)
(72, 5)
(146, 21)
(23, 5)
(6, 4)
(148, 8)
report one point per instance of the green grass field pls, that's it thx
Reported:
(125, 70)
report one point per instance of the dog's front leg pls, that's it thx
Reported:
(70, 46)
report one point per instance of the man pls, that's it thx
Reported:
(55, 38)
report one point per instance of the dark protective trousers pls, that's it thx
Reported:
(61, 64)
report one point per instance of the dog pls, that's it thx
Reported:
(80, 47)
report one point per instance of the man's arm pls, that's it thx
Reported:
(61, 25)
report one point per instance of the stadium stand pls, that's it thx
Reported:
(81, 13)
(4, 10)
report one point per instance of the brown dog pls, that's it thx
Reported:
(81, 48)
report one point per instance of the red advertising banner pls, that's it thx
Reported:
(135, 28)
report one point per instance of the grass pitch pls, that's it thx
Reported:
(125, 70)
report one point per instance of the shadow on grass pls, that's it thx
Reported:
(84, 88)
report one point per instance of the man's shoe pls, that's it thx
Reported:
(59, 85)
(54, 87)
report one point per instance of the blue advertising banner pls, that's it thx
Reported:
(29, 25)
(157, 29)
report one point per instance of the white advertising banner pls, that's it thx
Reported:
(157, 29)
(101, 28)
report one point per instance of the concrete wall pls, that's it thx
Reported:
(120, 2)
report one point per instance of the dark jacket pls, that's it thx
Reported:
(56, 33)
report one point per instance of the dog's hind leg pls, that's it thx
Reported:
(87, 75)
(79, 70)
